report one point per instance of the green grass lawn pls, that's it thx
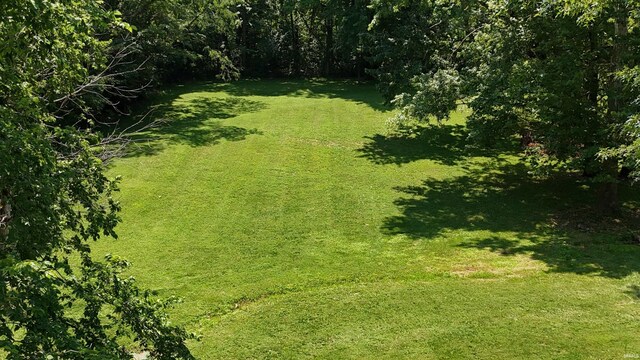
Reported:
(295, 225)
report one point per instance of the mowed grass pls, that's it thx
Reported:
(295, 225)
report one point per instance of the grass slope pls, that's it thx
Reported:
(295, 226)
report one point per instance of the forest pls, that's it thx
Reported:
(319, 179)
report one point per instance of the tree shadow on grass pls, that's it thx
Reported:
(633, 291)
(494, 198)
(358, 92)
(569, 253)
(195, 122)
(446, 144)
(198, 121)
(502, 198)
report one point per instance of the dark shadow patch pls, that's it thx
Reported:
(569, 253)
(443, 143)
(493, 198)
(358, 92)
(633, 291)
(501, 197)
(194, 122)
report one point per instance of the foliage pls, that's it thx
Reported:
(549, 72)
(434, 94)
(55, 300)
(404, 37)
(310, 37)
(174, 40)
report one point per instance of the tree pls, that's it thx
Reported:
(56, 301)
(559, 75)
(403, 38)
(177, 40)
(308, 38)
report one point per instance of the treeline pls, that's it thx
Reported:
(277, 38)
(225, 39)
(260, 38)
(303, 38)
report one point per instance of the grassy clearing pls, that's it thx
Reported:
(295, 226)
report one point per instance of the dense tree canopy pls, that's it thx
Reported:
(559, 75)
(55, 300)
(310, 37)
(174, 40)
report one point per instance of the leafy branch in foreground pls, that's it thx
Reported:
(56, 301)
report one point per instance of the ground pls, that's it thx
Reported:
(296, 224)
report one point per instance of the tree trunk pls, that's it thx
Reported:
(5, 213)
(295, 39)
(328, 46)
(243, 39)
(592, 80)
(614, 100)
(608, 201)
